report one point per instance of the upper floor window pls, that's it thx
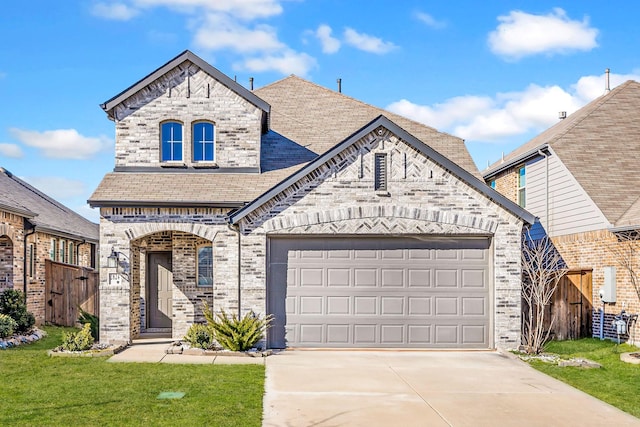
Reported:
(522, 192)
(203, 142)
(493, 184)
(171, 135)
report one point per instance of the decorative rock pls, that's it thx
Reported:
(581, 363)
(633, 358)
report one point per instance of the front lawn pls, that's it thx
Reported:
(43, 391)
(617, 382)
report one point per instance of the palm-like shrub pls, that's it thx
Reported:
(234, 333)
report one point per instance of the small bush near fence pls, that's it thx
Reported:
(7, 326)
(78, 341)
(12, 303)
(86, 317)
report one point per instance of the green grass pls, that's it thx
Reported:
(39, 390)
(617, 382)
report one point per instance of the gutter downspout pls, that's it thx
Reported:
(24, 261)
(236, 230)
(546, 190)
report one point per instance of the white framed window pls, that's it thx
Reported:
(53, 250)
(71, 253)
(204, 265)
(171, 141)
(63, 251)
(522, 190)
(204, 142)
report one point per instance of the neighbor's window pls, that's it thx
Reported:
(53, 249)
(71, 253)
(522, 192)
(203, 142)
(493, 184)
(63, 254)
(171, 141)
(205, 266)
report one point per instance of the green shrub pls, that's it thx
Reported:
(7, 326)
(12, 304)
(86, 317)
(233, 333)
(200, 336)
(78, 341)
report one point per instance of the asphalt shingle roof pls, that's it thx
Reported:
(306, 120)
(599, 144)
(48, 213)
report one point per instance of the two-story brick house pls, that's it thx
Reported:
(35, 228)
(353, 226)
(580, 178)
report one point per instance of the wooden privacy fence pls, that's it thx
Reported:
(66, 288)
(572, 305)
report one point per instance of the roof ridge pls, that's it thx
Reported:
(384, 110)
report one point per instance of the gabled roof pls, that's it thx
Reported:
(175, 62)
(319, 118)
(426, 150)
(42, 211)
(599, 144)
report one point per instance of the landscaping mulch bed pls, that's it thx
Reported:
(16, 340)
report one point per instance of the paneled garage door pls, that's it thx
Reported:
(379, 292)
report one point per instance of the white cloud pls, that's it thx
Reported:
(242, 9)
(522, 34)
(430, 21)
(507, 115)
(222, 32)
(57, 187)
(115, 11)
(11, 150)
(62, 143)
(366, 42)
(329, 44)
(285, 62)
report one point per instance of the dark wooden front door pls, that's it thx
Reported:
(159, 290)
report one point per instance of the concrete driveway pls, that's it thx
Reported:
(395, 388)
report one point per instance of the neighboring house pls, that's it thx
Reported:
(580, 177)
(353, 226)
(35, 228)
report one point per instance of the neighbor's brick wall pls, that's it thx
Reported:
(423, 198)
(11, 250)
(596, 250)
(186, 96)
(507, 183)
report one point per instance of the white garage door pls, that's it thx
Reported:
(379, 292)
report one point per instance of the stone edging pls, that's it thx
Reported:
(178, 348)
(16, 340)
(632, 357)
(88, 353)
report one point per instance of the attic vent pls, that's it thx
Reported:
(380, 170)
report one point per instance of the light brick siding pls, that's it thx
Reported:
(596, 250)
(11, 251)
(423, 199)
(187, 95)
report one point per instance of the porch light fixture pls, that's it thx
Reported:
(112, 260)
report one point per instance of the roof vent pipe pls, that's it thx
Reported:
(562, 115)
(339, 85)
(251, 83)
(607, 88)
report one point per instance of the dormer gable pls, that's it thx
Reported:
(187, 114)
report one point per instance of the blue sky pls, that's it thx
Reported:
(495, 73)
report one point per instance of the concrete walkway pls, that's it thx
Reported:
(153, 351)
(393, 388)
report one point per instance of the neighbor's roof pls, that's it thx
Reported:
(306, 120)
(46, 214)
(599, 144)
(176, 62)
